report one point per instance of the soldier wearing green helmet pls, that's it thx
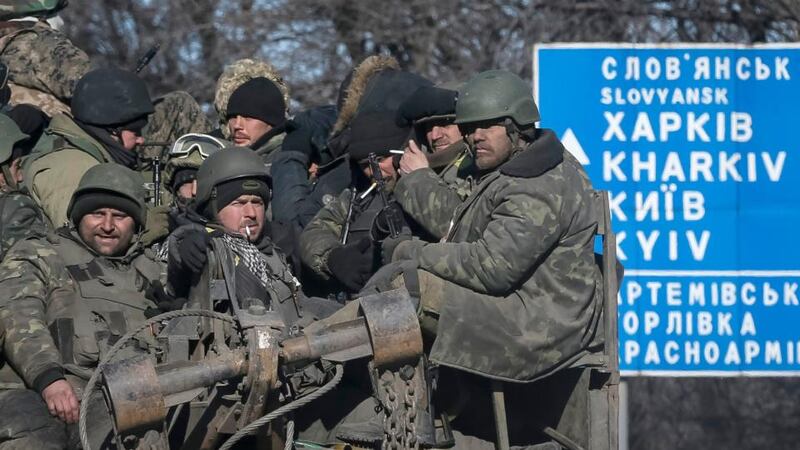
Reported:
(20, 216)
(512, 293)
(65, 298)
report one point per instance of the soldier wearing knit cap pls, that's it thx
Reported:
(256, 116)
(342, 244)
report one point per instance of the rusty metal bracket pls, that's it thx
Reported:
(262, 372)
(393, 328)
(136, 400)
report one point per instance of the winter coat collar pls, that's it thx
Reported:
(270, 141)
(543, 154)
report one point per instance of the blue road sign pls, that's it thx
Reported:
(698, 146)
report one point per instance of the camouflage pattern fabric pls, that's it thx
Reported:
(43, 66)
(431, 198)
(176, 114)
(37, 287)
(323, 234)
(520, 289)
(20, 217)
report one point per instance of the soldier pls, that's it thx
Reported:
(175, 114)
(180, 172)
(20, 216)
(447, 165)
(339, 244)
(300, 185)
(233, 193)
(299, 196)
(256, 117)
(185, 158)
(266, 110)
(66, 298)
(110, 108)
(43, 64)
(513, 291)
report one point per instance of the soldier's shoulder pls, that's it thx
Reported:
(33, 247)
(17, 197)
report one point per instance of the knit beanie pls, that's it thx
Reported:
(377, 133)
(228, 191)
(93, 200)
(258, 98)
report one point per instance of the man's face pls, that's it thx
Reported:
(246, 213)
(491, 142)
(107, 231)
(130, 139)
(441, 136)
(247, 130)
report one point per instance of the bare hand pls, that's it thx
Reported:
(61, 401)
(413, 159)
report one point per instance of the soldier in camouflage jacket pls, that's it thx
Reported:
(64, 300)
(20, 216)
(514, 284)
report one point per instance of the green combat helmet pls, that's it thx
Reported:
(225, 165)
(110, 97)
(496, 94)
(10, 134)
(14, 9)
(117, 181)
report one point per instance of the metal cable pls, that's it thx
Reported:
(289, 435)
(90, 386)
(260, 422)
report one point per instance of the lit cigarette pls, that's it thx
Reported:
(247, 231)
(397, 152)
(366, 193)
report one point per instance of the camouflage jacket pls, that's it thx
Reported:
(175, 114)
(516, 275)
(52, 172)
(20, 217)
(49, 279)
(323, 234)
(431, 198)
(43, 65)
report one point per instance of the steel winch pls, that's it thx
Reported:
(242, 378)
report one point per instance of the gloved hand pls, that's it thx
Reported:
(157, 225)
(393, 212)
(193, 250)
(389, 244)
(30, 119)
(353, 264)
(163, 300)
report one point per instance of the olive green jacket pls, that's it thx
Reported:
(430, 197)
(43, 280)
(61, 157)
(518, 284)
